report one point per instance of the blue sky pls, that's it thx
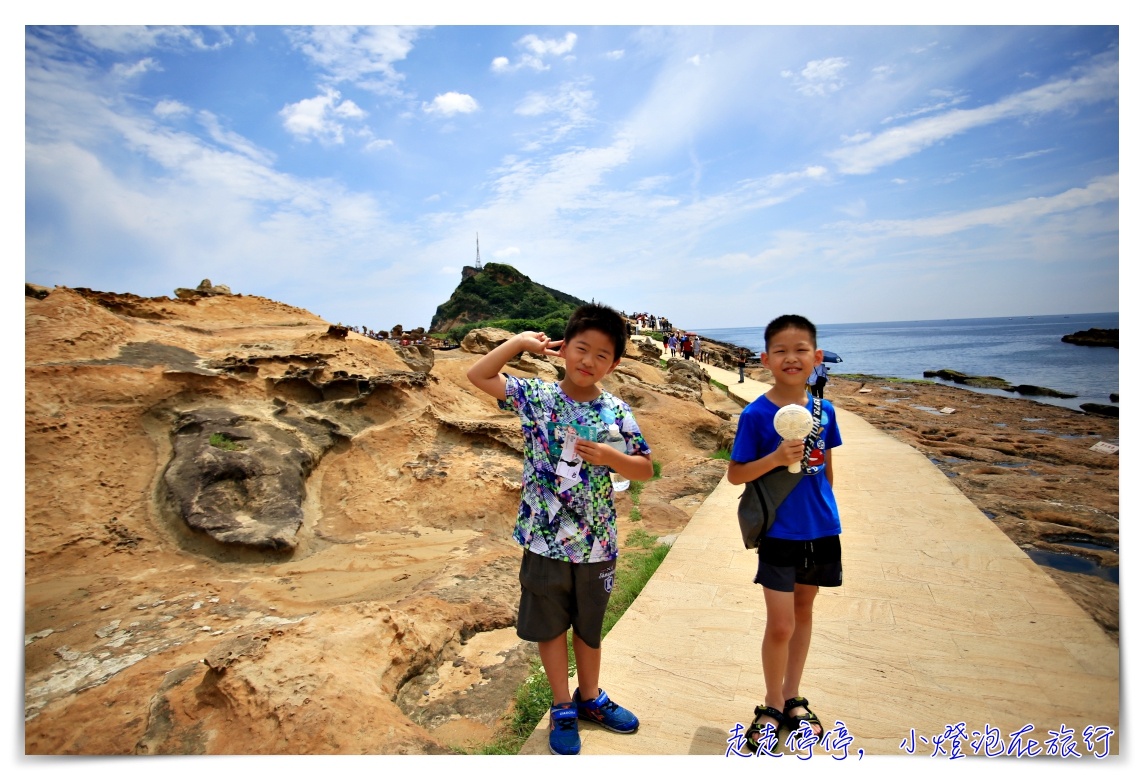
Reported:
(716, 175)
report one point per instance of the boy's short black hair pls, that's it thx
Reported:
(784, 321)
(594, 316)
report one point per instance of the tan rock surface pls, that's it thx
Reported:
(387, 630)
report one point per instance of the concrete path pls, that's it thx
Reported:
(941, 621)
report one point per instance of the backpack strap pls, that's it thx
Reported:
(813, 437)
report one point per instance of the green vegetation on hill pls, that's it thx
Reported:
(502, 297)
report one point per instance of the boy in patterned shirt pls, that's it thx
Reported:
(567, 518)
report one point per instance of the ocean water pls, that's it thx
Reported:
(1020, 350)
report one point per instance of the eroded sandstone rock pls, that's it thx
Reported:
(240, 479)
(204, 290)
(419, 357)
(481, 341)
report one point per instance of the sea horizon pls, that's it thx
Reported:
(821, 325)
(1021, 349)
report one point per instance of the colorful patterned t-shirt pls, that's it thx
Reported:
(566, 508)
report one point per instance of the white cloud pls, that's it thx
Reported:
(570, 99)
(507, 252)
(363, 56)
(1101, 190)
(997, 162)
(534, 51)
(819, 77)
(348, 109)
(1098, 82)
(949, 102)
(232, 140)
(570, 105)
(617, 54)
(166, 109)
(545, 46)
(1032, 154)
(378, 144)
(548, 195)
(319, 117)
(451, 103)
(131, 70)
(126, 39)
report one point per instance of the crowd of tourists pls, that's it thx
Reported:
(686, 345)
(382, 335)
(642, 321)
(678, 343)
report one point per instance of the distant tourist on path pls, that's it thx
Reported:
(742, 363)
(567, 517)
(818, 380)
(802, 551)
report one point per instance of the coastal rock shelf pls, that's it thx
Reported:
(994, 383)
(1095, 337)
(1030, 467)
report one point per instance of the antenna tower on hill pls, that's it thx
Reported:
(478, 251)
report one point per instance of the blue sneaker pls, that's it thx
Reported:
(563, 731)
(606, 713)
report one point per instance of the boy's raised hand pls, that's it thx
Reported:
(539, 343)
(485, 373)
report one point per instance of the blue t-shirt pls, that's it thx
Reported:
(810, 511)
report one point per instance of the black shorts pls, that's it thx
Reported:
(784, 562)
(556, 595)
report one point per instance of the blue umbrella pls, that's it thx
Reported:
(830, 357)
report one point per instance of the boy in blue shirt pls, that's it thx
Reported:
(567, 518)
(801, 552)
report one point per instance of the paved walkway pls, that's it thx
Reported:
(941, 620)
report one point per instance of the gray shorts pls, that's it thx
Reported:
(556, 595)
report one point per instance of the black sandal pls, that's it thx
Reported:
(794, 722)
(756, 728)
